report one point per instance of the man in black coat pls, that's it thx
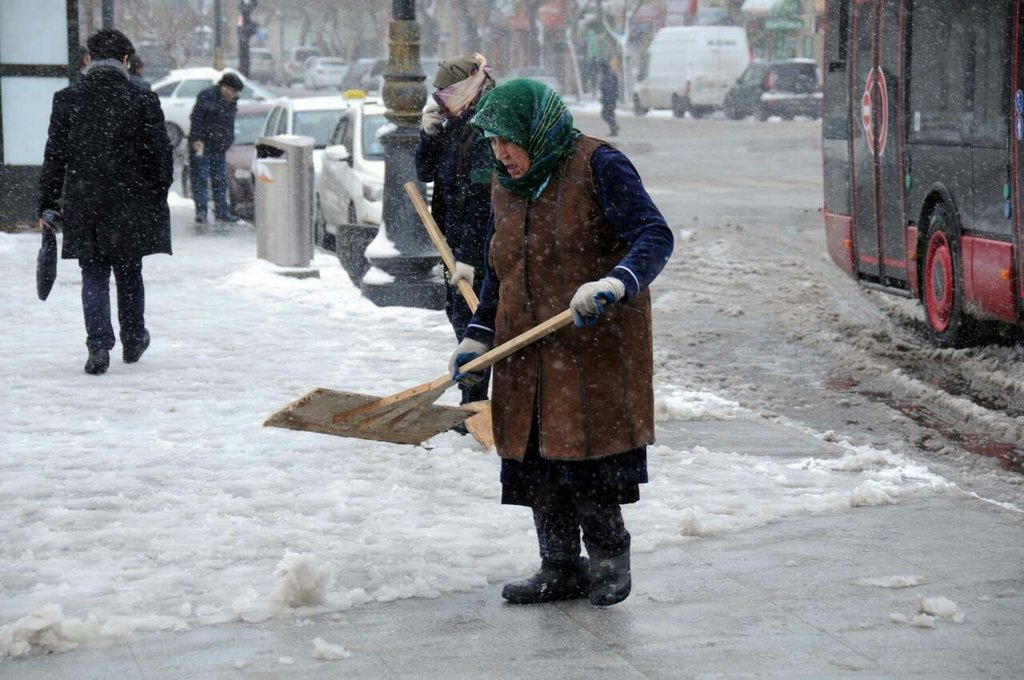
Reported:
(107, 168)
(212, 133)
(609, 82)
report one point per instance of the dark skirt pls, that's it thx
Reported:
(546, 484)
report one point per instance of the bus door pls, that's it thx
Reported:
(876, 140)
(1018, 153)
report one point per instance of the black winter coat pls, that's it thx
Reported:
(458, 161)
(108, 161)
(609, 86)
(213, 121)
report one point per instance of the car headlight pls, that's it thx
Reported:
(373, 191)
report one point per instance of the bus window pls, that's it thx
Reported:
(991, 74)
(937, 83)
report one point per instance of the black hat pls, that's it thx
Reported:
(232, 81)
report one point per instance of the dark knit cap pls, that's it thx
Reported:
(232, 81)
(455, 70)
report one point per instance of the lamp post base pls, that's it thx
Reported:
(421, 294)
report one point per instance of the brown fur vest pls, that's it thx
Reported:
(593, 386)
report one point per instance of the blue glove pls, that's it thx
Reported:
(467, 350)
(589, 301)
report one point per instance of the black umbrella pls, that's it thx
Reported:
(46, 261)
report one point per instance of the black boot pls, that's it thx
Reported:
(131, 351)
(610, 579)
(98, 362)
(553, 582)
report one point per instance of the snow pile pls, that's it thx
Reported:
(47, 630)
(906, 581)
(328, 652)
(302, 580)
(688, 405)
(940, 607)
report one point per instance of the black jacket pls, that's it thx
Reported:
(108, 160)
(213, 121)
(609, 86)
(458, 161)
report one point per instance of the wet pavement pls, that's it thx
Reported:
(786, 600)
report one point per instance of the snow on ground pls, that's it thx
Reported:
(153, 498)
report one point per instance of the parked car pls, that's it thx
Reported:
(239, 159)
(293, 63)
(350, 190)
(357, 74)
(157, 62)
(178, 92)
(315, 117)
(538, 73)
(324, 72)
(786, 88)
(262, 66)
(688, 69)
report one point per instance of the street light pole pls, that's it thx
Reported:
(218, 28)
(408, 265)
(107, 11)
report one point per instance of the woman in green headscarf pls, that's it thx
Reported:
(571, 226)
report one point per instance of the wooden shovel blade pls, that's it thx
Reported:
(316, 411)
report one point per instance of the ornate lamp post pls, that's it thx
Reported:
(402, 275)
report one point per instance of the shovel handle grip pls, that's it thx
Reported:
(517, 343)
(442, 246)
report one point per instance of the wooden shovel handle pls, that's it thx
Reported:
(442, 246)
(517, 343)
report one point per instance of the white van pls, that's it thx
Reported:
(690, 68)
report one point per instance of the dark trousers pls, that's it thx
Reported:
(209, 169)
(458, 313)
(131, 300)
(608, 115)
(558, 531)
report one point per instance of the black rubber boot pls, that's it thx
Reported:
(610, 579)
(132, 351)
(98, 362)
(553, 582)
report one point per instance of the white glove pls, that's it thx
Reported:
(589, 301)
(467, 350)
(462, 271)
(431, 120)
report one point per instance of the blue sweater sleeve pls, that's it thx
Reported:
(636, 220)
(631, 213)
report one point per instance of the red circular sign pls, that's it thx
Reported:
(874, 111)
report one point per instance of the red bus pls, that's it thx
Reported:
(923, 118)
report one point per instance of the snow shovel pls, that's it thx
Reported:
(478, 425)
(407, 417)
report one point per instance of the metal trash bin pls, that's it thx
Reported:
(283, 175)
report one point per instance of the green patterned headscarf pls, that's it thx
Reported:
(533, 116)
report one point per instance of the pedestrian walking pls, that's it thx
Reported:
(107, 167)
(455, 156)
(573, 226)
(609, 85)
(212, 133)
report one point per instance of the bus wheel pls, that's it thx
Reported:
(943, 291)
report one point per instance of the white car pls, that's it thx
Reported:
(179, 89)
(314, 117)
(350, 189)
(324, 72)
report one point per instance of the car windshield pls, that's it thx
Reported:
(317, 124)
(796, 78)
(248, 126)
(372, 148)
